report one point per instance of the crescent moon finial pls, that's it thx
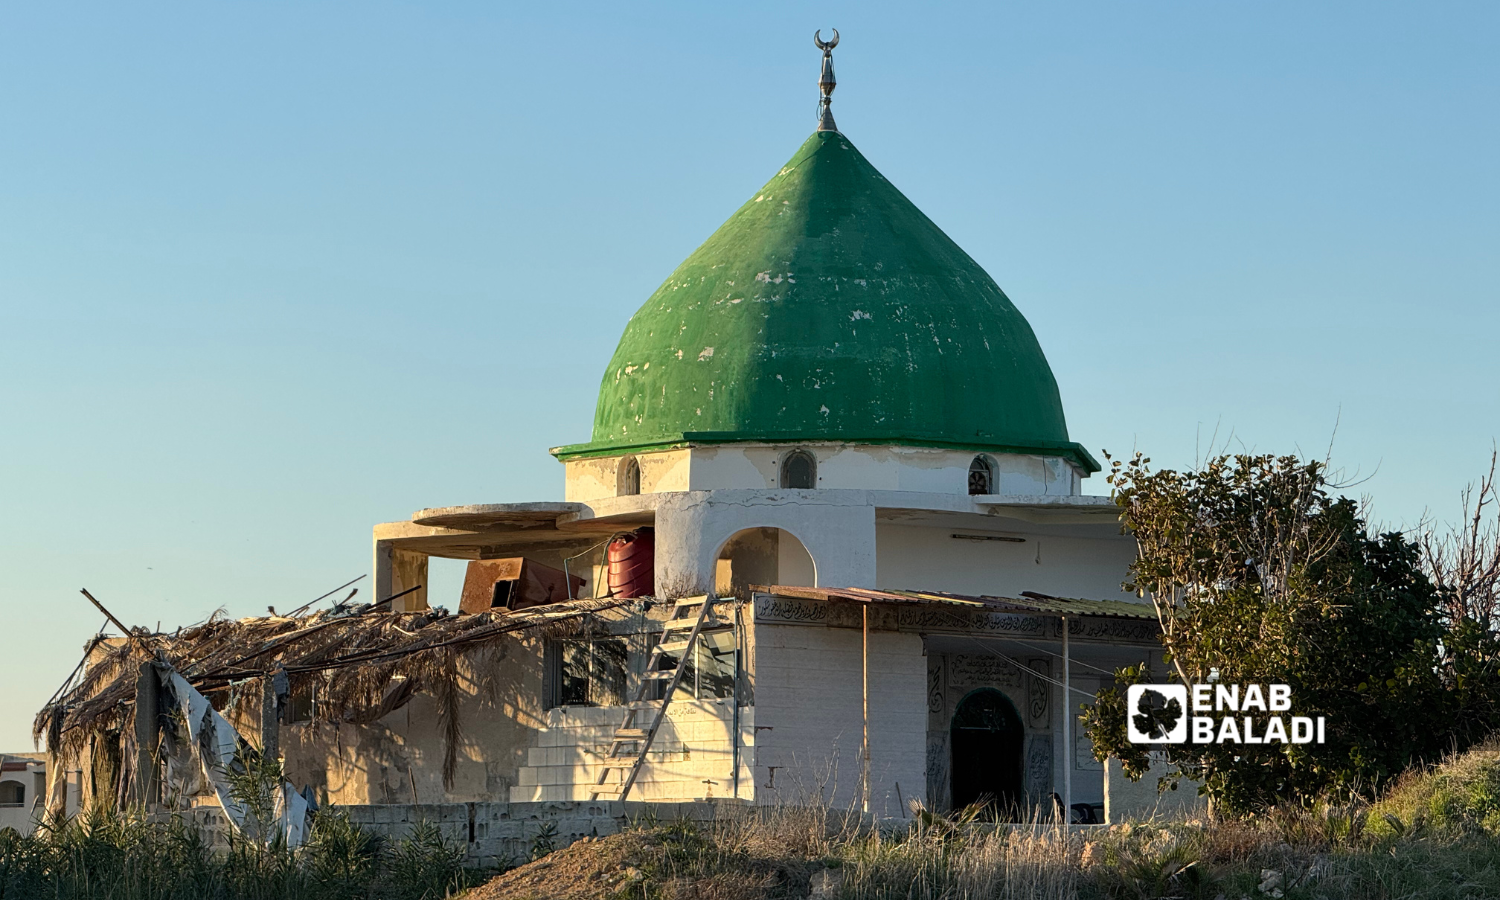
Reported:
(826, 81)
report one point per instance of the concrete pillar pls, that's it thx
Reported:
(270, 726)
(143, 785)
(395, 571)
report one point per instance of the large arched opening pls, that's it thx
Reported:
(764, 556)
(987, 742)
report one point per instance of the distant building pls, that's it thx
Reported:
(23, 785)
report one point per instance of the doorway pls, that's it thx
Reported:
(987, 740)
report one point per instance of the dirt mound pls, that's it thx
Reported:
(588, 869)
(674, 863)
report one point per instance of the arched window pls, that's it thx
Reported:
(981, 476)
(630, 477)
(12, 793)
(799, 471)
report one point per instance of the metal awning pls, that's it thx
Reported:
(1027, 602)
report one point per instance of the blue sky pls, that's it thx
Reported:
(271, 273)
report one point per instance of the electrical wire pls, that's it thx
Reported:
(1075, 661)
(1030, 670)
(567, 559)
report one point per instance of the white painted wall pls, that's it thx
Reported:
(1139, 801)
(808, 710)
(920, 557)
(794, 566)
(840, 466)
(597, 478)
(836, 527)
(1088, 773)
(30, 774)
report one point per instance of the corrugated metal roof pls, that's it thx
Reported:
(1029, 602)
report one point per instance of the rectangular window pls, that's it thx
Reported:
(587, 673)
(712, 670)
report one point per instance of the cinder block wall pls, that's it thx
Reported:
(494, 835)
(691, 758)
(809, 722)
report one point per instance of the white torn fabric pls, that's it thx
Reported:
(291, 814)
(216, 743)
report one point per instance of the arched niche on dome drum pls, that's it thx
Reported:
(629, 477)
(799, 471)
(981, 476)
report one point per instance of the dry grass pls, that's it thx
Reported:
(1322, 851)
(1443, 846)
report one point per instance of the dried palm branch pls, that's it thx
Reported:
(382, 659)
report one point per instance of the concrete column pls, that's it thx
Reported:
(143, 785)
(270, 727)
(395, 571)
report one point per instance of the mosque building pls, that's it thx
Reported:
(828, 544)
(832, 418)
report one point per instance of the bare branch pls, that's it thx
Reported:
(1464, 560)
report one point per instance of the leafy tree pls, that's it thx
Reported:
(1260, 576)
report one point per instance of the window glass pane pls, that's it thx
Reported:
(573, 681)
(711, 672)
(607, 681)
(592, 673)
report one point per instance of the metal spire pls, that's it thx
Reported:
(826, 81)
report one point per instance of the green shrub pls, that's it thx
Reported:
(124, 856)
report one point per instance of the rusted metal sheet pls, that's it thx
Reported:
(515, 583)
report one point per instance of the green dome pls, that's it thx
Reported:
(829, 308)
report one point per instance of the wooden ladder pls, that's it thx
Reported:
(628, 763)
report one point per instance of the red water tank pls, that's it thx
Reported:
(632, 564)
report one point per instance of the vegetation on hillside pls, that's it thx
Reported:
(1432, 836)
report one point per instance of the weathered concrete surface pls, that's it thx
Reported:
(1129, 801)
(399, 758)
(837, 528)
(840, 466)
